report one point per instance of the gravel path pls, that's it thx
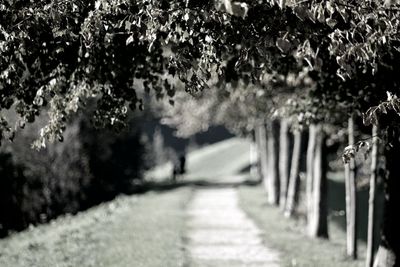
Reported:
(220, 233)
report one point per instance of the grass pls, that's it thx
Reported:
(211, 162)
(288, 237)
(147, 230)
(144, 230)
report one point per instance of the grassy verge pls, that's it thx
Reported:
(144, 230)
(210, 162)
(287, 236)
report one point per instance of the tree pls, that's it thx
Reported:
(351, 196)
(284, 162)
(346, 50)
(318, 224)
(371, 200)
(294, 178)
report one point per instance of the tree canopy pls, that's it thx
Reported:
(56, 55)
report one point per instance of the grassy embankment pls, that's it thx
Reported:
(140, 230)
(144, 230)
(288, 236)
(148, 229)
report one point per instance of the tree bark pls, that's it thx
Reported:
(351, 198)
(388, 254)
(309, 172)
(371, 201)
(262, 146)
(318, 223)
(294, 179)
(273, 164)
(254, 156)
(284, 162)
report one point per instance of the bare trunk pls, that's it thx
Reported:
(254, 156)
(371, 201)
(310, 160)
(294, 179)
(273, 164)
(262, 146)
(351, 198)
(318, 223)
(388, 254)
(284, 155)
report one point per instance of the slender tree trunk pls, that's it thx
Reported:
(351, 198)
(294, 179)
(262, 146)
(371, 201)
(273, 164)
(310, 168)
(388, 254)
(318, 223)
(254, 156)
(284, 162)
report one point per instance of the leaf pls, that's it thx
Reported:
(283, 45)
(129, 40)
(331, 22)
(301, 12)
(97, 5)
(128, 25)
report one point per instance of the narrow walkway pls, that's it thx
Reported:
(220, 233)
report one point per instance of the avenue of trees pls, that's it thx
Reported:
(273, 69)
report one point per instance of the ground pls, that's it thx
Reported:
(156, 228)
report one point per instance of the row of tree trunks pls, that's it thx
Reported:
(318, 216)
(316, 186)
(388, 254)
(276, 162)
(294, 178)
(351, 197)
(284, 162)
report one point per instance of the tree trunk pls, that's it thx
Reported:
(294, 179)
(273, 164)
(318, 223)
(388, 254)
(351, 198)
(284, 162)
(262, 148)
(371, 201)
(254, 156)
(312, 135)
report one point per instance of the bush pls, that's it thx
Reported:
(88, 167)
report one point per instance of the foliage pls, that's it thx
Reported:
(85, 169)
(59, 54)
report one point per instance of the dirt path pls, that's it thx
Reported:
(220, 233)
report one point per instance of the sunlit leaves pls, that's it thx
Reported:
(51, 50)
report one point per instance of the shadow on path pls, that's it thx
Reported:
(169, 185)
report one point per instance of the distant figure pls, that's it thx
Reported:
(182, 161)
(179, 167)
